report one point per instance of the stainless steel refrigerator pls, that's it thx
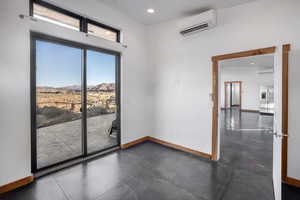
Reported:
(266, 100)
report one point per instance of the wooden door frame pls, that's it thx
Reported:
(240, 88)
(215, 97)
(285, 107)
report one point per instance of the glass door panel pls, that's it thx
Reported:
(58, 103)
(102, 125)
(227, 95)
(235, 94)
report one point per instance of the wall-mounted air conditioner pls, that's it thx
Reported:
(265, 71)
(197, 23)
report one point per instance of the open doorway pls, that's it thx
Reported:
(246, 140)
(280, 113)
(253, 122)
(233, 96)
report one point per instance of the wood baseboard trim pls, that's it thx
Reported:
(247, 110)
(135, 142)
(168, 144)
(181, 148)
(16, 184)
(292, 182)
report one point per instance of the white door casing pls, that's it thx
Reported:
(277, 138)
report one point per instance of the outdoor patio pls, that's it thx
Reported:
(63, 141)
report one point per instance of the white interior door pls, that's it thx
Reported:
(277, 123)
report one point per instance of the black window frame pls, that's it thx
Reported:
(82, 20)
(36, 36)
(95, 23)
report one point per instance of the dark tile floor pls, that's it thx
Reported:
(151, 171)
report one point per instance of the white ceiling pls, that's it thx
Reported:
(258, 62)
(167, 9)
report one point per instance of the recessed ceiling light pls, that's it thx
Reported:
(150, 10)
(107, 32)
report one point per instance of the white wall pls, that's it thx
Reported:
(183, 68)
(294, 111)
(251, 82)
(15, 77)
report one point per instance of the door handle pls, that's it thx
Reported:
(279, 135)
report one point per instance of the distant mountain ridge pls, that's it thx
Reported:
(102, 87)
(71, 87)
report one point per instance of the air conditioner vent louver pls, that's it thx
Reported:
(197, 23)
(194, 29)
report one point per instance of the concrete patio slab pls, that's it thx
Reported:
(59, 142)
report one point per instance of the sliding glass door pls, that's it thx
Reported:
(58, 103)
(74, 100)
(102, 123)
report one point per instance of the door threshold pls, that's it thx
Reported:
(73, 162)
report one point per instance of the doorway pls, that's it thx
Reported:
(233, 94)
(249, 126)
(215, 90)
(281, 97)
(75, 100)
(246, 140)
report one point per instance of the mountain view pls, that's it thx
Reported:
(61, 104)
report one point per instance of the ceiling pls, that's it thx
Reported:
(258, 62)
(167, 9)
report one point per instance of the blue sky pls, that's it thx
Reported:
(59, 66)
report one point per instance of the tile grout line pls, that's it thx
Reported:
(174, 184)
(61, 188)
(225, 191)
